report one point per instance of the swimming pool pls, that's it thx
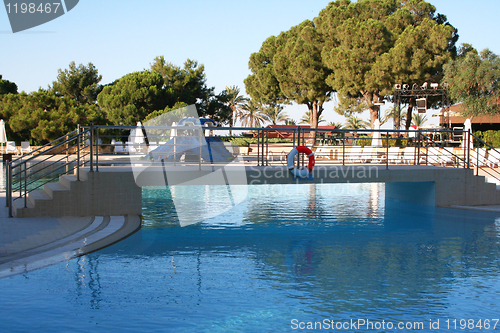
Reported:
(289, 256)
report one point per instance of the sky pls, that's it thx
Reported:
(121, 37)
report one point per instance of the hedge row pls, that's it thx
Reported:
(248, 141)
(490, 137)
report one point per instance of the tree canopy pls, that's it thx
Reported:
(372, 44)
(42, 116)
(358, 49)
(235, 101)
(262, 85)
(289, 68)
(76, 97)
(473, 80)
(252, 115)
(355, 122)
(131, 98)
(188, 85)
(46, 115)
(275, 114)
(79, 83)
(7, 87)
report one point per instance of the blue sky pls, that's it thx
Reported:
(120, 37)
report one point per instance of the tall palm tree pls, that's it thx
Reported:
(252, 115)
(306, 118)
(275, 114)
(392, 113)
(354, 122)
(337, 125)
(418, 120)
(235, 102)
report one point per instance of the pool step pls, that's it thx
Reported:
(94, 194)
(43, 202)
(70, 238)
(53, 189)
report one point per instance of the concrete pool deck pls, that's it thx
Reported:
(27, 244)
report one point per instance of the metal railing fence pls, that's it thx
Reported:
(65, 155)
(84, 146)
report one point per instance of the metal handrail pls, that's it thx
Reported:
(299, 137)
(41, 148)
(17, 170)
(26, 183)
(486, 170)
(437, 144)
(262, 135)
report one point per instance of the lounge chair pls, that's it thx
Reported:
(10, 148)
(440, 156)
(354, 154)
(274, 156)
(25, 147)
(324, 152)
(378, 156)
(478, 157)
(410, 155)
(118, 147)
(130, 148)
(433, 155)
(366, 155)
(394, 156)
(370, 155)
(493, 158)
(447, 156)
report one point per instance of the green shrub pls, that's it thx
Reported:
(490, 137)
(367, 141)
(247, 141)
(240, 141)
(364, 140)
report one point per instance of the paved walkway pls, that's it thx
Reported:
(27, 244)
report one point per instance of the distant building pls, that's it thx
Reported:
(286, 131)
(479, 123)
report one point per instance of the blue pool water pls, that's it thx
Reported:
(286, 256)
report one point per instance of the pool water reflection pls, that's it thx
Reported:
(307, 252)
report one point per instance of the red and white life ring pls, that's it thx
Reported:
(302, 172)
